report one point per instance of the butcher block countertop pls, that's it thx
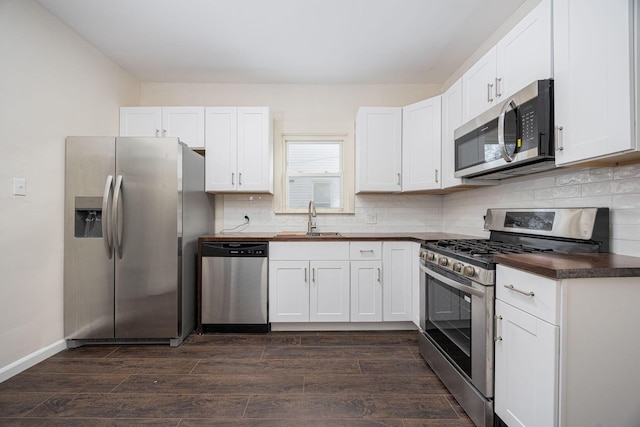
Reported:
(298, 237)
(573, 266)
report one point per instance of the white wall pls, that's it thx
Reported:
(52, 84)
(617, 188)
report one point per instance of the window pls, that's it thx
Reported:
(313, 169)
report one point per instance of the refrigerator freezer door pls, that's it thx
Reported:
(147, 227)
(88, 261)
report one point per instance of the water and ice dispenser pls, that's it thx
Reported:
(88, 217)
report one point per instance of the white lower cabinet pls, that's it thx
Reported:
(566, 350)
(366, 291)
(289, 291)
(398, 279)
(329, 291)
(342, 281)
(309, 282)
(366, 281)
(526, 375)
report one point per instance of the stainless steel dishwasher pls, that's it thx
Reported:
(234, 287)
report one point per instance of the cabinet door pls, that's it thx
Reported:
(141, 121)
(451, 120)
(186, 123)
(397, 281)
(329, 291)
(478, 86)
(378, 149)
(366, 291)
(221, 149)
(289, 291)
(421, 125)
(524, 54)
(593, 78)
(526, 368)
(255, 150)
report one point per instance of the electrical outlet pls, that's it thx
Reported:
(19, 187)
(372, 219)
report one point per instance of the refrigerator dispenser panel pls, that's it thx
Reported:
(88, 217)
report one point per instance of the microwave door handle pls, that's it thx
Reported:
(503, 149)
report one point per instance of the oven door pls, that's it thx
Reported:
(457, 317)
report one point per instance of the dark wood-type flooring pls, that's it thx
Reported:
(305, 379)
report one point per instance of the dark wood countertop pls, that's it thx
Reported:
(276, 237)
(573, 266)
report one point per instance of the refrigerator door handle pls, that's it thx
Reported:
(117, 232)
(106, 220)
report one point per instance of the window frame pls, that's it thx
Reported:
(346, 173)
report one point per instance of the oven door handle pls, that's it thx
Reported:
(452, 283)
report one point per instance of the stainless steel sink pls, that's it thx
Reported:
(304, 235)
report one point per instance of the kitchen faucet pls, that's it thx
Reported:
(311, 224)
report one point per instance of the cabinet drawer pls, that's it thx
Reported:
(317, 251)
(536, 295)
(360, 251)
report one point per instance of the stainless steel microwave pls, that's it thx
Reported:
(512, 138)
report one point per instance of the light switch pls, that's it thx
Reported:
(372, 219)
(19, 187)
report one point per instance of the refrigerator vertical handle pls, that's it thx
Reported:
(106, 218)
(117, 232)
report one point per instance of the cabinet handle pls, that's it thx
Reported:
(398, 178)
(313, 275)
(436, 175)
(367, 251)
(489, 91)
(559, 130)
(513, 288)
(233, 178)
(305, 275)
(239, 178)
(379, 274)
(498, 80)
(495, 327)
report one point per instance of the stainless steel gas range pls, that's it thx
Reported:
(457, 289)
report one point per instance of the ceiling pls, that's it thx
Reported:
(286, 41)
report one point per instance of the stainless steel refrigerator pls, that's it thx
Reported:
(134, 209)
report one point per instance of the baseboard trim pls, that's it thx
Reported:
(29, 360)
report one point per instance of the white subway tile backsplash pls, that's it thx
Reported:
(462, 212)
(629, 171)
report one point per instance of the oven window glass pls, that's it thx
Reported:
(448, 321)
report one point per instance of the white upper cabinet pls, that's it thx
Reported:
(398, 148)
(239, 149)
(594, 79)
(185, 123)
(378, 149)
(479, 86)
(140, 121)
(421, 131)
(525, 54)
(521, 57)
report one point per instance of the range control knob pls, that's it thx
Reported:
(443, 261)
(431, 256)
(469, 271)
(457, 267)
